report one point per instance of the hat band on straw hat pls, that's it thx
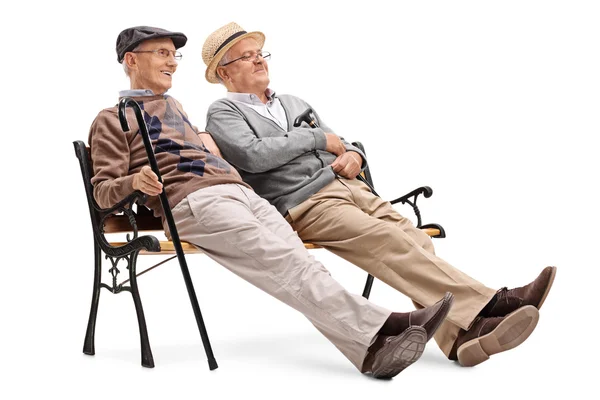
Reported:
(229, 39)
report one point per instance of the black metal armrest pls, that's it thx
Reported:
(425, 190)
(442, 233)
(411, 199)
(136, 197)
(134, 243)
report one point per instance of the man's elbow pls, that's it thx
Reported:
(252, 162)
(102, 200)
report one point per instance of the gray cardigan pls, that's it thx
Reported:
(285, 168)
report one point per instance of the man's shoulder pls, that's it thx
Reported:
(291, 99)
(104, 123)
(220, 105)
(107, 113)
(289, 96)
(109, 110)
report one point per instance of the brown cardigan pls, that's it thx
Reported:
(184, 163)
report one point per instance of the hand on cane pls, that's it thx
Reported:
(147, 182)
(347, 165)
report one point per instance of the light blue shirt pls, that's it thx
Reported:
(136, 93)
(273, 110)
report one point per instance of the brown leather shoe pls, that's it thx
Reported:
(533, 294)
(489, 336)
(430, 318)
(390, 355)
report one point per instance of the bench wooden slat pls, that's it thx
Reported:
(432, 231)
(167, 247)
(120, 223)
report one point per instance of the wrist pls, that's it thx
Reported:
(135, 182)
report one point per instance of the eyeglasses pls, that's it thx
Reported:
(162, 53)
(251, 57)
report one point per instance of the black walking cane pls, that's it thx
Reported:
(123, 103)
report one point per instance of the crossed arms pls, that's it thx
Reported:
(268, 147)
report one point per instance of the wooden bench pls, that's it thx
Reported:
(131, 218)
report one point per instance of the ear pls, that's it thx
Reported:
(222, 73)
(131, 60)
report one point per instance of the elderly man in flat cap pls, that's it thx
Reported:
(216, 211)
(308, 174)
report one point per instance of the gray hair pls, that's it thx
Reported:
(224, 60)
(125, 67)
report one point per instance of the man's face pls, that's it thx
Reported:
(245, 76)
(151, 70)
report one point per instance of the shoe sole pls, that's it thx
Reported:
(511, 332)
(551, 281)
(399, 353)
(439, 316)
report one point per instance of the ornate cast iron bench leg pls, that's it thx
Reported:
(147, 359)
(88, 344)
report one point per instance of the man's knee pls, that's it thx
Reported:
(427, 243)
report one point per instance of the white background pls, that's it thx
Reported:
(492, 104)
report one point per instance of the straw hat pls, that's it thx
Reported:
(221, 40)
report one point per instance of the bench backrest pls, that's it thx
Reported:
(145, 219)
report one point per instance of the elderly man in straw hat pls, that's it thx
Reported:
(216, 211)
(308, 174)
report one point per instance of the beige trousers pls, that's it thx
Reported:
(244, 233)
(347, 219)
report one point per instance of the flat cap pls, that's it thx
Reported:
(129, 38)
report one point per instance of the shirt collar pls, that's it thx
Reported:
(250, 98)
(136, 93)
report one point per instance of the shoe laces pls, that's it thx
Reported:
(507, 295)
(503, 294)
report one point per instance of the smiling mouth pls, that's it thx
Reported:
(168, 73)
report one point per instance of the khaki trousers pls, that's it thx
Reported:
(244, 233)
(347, 219)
